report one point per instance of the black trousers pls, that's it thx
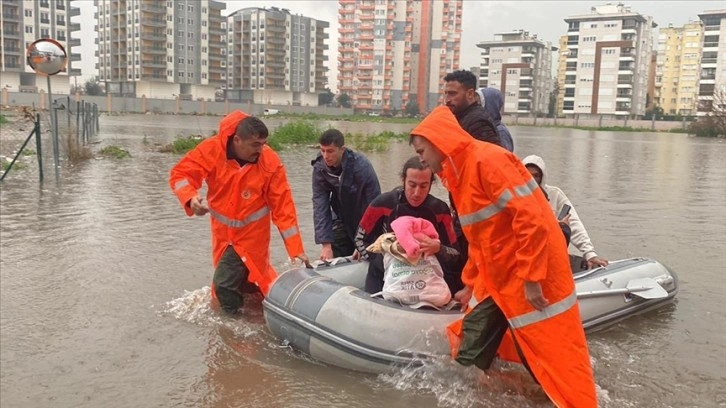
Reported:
(482, 331)
(342, 244)
(230, 281)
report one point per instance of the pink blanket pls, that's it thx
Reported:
(409, 230)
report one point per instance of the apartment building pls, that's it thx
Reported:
(391, 52)
(562, 54)
(161, 49)
(520, 66)
(678, 67)
(23, 22)
(608, 63)
(275, 57)
(713, 60)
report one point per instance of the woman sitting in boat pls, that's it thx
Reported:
(412, 199)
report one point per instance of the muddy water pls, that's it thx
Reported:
(104, 283)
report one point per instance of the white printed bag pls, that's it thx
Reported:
(417, 285)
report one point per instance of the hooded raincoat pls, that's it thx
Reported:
(242, 200)
(557, 199)
(492, 101)
(514, 237)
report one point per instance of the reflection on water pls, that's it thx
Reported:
(105, 283)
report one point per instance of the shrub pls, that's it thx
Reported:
(114, 152)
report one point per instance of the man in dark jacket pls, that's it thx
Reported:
(460, 96)
(414, 200)
(462, 99)
(344, 183)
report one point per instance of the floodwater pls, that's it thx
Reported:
(104, 283)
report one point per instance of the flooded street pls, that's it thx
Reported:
(105, 301)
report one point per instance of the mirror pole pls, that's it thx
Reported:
(52, 112)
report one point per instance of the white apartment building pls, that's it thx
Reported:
(23, 22)
(713, 59)
(275, 57)
(394, 51)
(608, 63)
(520, 66)
(161, 49)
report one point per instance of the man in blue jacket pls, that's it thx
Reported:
(344, 183)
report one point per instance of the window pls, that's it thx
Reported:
(28, 13)
(29, 30)
(180, 60)
(190, 35)
(180, 74)
(180, 34)
(45, 33)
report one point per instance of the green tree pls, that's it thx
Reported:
(412, 108)
(344, 100)
(552, 108)
(326, 97)
(92, 87)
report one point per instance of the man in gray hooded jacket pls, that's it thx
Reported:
(557, 199)
(493, 102)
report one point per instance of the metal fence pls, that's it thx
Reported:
(60, 134)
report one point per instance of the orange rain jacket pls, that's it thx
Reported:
(241, 200)
(514, 237)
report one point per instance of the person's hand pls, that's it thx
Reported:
(197, 205)
(596, 261)
(303, 258)
(356, 255)
(533, 294)
(463, 296)
(327, 252)
(429, 246)
(565, 219)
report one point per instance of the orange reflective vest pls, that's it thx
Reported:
(241, 200)
(514, 237)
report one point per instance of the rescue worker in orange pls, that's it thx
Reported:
(246, 187)
(518, 266)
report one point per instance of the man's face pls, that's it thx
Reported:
(332, 154)
(248, 148)
(535, 172)
(428, 153)
(457, 97)
(417, 185)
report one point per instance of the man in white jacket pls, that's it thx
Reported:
(557, 200)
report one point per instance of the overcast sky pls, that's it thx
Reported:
(482, 19)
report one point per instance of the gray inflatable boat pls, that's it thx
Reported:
(324, 313)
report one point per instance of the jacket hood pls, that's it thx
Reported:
(537, 161)
(492, 100)
(442, 130)
(228, 126)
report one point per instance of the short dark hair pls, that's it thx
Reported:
(252, 126)
(332, 136)
(416, 164)
(462, 76)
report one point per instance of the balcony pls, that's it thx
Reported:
(153, 36)
(75, 26)
(75, 11)
(153, 64)
(152, 50)
(153, 22)
(153, 8)
(366, 17)
(367, 7)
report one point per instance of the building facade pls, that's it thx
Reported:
(275, 57)
(678, 67)
(562, 54)
(393, 52)
(520, 66)
(608, 62)
(161, 49)
(713, 61)
(23, 22)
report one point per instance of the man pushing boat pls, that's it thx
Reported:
(518, 273)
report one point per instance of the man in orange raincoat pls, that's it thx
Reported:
(517, 255)
(246, 187)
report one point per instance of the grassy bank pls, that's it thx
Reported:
(299, 132)
(601, 128)
(345, 118)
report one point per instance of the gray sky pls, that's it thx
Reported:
(481, 20)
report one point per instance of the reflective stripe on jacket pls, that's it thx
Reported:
(514, 237)
(242, 200)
